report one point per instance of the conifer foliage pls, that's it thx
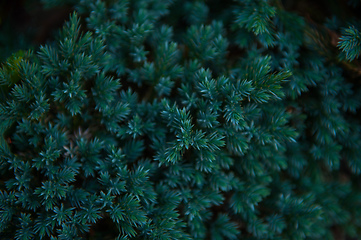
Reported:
(167, 119)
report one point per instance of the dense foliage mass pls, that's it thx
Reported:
(167, 119)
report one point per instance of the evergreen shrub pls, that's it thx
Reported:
(169, 119)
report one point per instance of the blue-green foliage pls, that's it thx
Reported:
(171, 119)
(350, 43)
